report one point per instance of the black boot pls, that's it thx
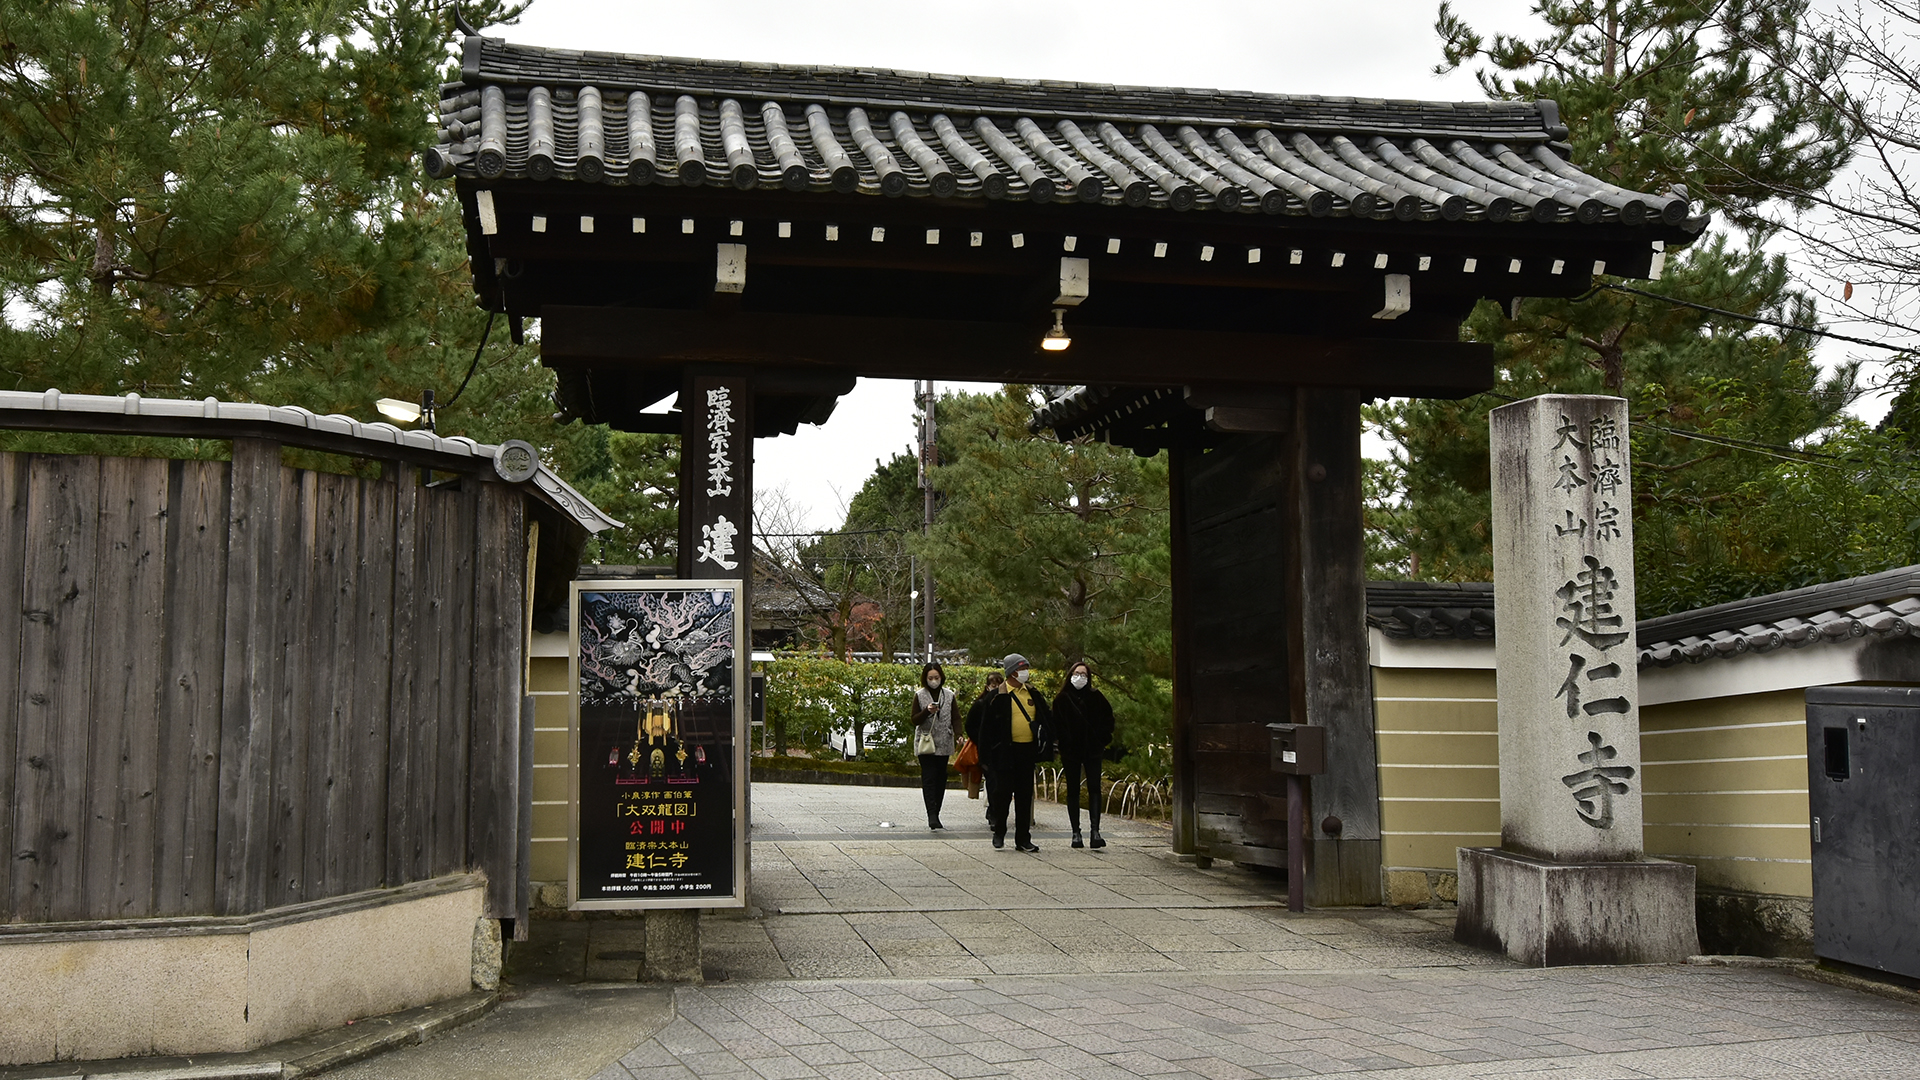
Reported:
(1096, 841)
(1076, 837)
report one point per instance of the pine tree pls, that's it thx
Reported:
(223, 198)
(1657, 95)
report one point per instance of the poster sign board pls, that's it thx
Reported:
(658, 738)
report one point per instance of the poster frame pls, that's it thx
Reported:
(741, 707)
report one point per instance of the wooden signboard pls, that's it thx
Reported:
(658, 745)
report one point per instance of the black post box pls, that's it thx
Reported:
(1300, 749)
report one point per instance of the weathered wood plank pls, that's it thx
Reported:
(187, 788)
(373, 652)
(404, 847)
(456, 725)
(523, 829)
(293, 563)
(328, 690)
(63, 503)
(250, 679)
(14, 540)
(494, 784)
(429, 598)
(130, 579)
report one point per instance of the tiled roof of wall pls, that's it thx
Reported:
(290, 424)
(521, 112)
(1881, 605)
(1877, 605)
(1430, 609)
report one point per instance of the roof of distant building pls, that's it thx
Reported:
(526, 113)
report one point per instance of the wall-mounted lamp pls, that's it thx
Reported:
(405, 412)
(1057, 338)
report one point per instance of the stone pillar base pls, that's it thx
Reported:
(1550, 914)
(673, 945)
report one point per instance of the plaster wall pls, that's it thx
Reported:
(84, 991)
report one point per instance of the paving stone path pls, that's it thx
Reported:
(890, 951)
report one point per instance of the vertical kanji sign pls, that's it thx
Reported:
(1563, 594)
(658, 739)
(716, 482)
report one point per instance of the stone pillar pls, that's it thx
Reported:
(672, 951)
(1569, 883)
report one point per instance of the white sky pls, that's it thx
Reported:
(1278, 46)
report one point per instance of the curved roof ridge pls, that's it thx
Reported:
(496, 60)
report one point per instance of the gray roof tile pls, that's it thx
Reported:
(522, 112)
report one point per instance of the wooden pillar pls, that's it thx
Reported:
(1330, 680)
(716, 541)
(1179, 464)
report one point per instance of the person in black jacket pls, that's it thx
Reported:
(1083, 724)
(976, 714)
(1012, 729)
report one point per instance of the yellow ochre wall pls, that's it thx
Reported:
(1439, 764)
(548, 685)
(1726, 790)
(1725, 781)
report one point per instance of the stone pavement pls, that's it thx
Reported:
(898, 952)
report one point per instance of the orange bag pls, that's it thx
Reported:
(968, 762)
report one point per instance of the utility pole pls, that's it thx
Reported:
(928, 459)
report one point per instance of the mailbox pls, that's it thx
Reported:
(1300, 749)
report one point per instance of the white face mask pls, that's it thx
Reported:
(1023, 675)
(933, 683)
(1079, 682)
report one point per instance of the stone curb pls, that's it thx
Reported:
(418, 1026)
(305, 1056)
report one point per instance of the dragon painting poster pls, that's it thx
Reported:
(658, 786)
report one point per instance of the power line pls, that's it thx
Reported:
(825, 532)
(1723, 312)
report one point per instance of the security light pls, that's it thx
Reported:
(1057, 338)
(406, 412)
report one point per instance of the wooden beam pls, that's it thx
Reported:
(903, 347)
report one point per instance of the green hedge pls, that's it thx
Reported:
(800, 764)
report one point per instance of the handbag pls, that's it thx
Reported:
(968, 757)
(923, 741)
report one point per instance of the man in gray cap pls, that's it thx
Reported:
(1014, 728)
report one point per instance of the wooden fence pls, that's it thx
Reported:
(231, 686)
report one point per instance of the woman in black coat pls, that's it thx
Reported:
(1083, 725)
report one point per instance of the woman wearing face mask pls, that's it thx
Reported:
(936, 728)
(1010, 733)
(1084, 720)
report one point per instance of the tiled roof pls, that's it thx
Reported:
(290, 424)
(1878, 605)
(1431, 609)
(546, 114)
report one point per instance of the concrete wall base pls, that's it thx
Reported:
(1421, 888)
(1755, 924)
(1550, 914)
(211, 984)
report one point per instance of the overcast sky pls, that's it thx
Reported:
(1279, 46)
